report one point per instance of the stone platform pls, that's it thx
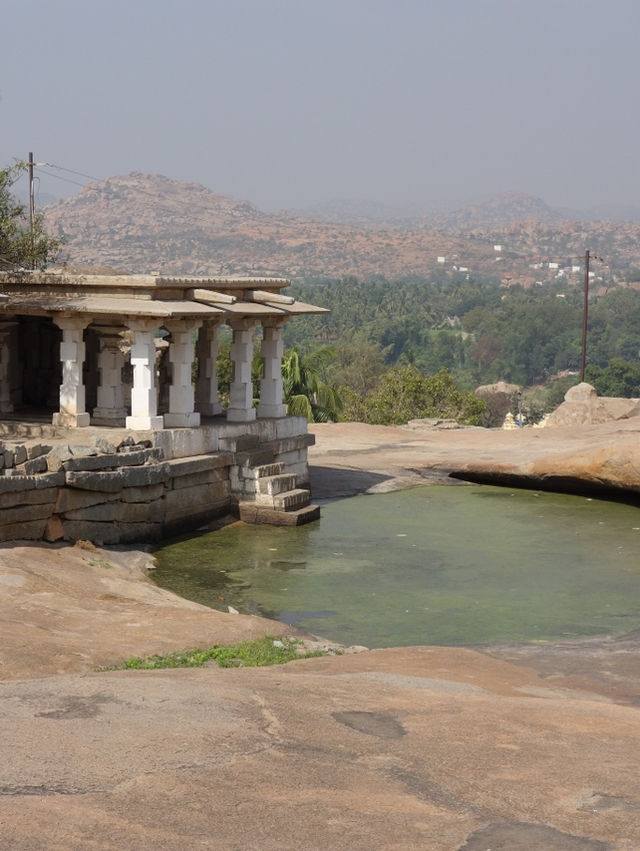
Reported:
(116, 486)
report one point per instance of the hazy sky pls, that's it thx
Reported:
(290, 102)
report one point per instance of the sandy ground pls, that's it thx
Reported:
(523, 747)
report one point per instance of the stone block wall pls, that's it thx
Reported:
(121, 489)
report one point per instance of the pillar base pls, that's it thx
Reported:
(209, 409)
(141, 423)
(109, 415)
(277, 411)
(65, 420)
(181, 420)
(241, 415)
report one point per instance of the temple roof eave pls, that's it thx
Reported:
(149, 296)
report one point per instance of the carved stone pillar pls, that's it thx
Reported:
(241, 408)
(207, 402)
(144, 404)
(6, 405)
(181, 412)
(271, 387)
(72, 350)
(110, 408)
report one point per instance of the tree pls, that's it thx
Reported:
(404, 394)
(21, 245)
(305, 391)
(619, 378)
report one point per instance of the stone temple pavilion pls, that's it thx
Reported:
(101, 368)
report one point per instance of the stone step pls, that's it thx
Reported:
(272, 485)
(263, 471)
(251, 512)
(253, 457)
(291, 500)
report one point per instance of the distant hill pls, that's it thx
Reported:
(500, 212)
(148, 222)
(497, 212)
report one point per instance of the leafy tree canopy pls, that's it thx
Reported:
(619, 378)
(20, 245)
(404, 394)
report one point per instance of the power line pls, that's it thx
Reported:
(60, 177)
(70, 170)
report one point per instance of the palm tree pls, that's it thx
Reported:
(305, 393)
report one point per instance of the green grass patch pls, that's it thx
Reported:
(246, 654)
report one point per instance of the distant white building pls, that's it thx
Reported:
(442, 259)
(554, 265)
(497, 248)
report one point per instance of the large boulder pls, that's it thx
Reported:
(583, 406)
(498, 398)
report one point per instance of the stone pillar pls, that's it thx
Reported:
(6, 405)
(181, 412)
(271, 387)
(241, 408)
(72, 349)
(110, 408)
(207, 402)
(144, 404)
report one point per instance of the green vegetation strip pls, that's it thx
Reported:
(246, 654)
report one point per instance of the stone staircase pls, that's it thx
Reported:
(265, 493)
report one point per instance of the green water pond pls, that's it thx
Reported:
(429, 565)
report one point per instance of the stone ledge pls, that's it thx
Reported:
(88, 463)
(198, 463)
(125, 477)
(25, 483)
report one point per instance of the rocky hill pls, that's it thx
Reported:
(497, 212)
(143, 223)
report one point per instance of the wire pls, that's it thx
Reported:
(66, 179)
(70, 170)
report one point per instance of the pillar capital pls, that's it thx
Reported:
(274, 321)
(143, 324)
(185, 324)
(243, 323)
(72, 321)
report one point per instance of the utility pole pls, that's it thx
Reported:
(32, 211)
(585, 310)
